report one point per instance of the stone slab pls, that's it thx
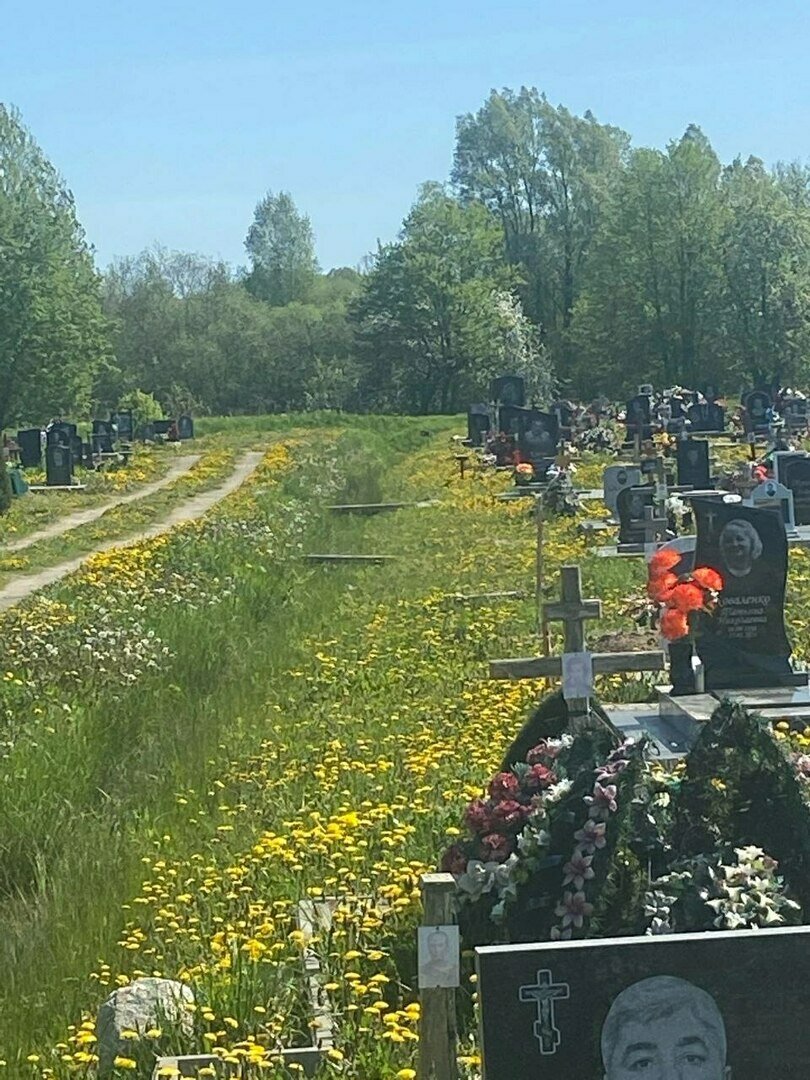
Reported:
(38, 488)
(637, 720)
(342, 559)
(379, 508)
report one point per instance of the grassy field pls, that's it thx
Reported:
(199, 731)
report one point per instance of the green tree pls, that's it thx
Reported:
(53, 335)
(281, 247)
(546, 175)
(429, 322)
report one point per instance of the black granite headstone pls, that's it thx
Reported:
(124, 422)
(638, 419)
(162, 427)
(185, 427)
(60, 433)
(726, 1005)
(538, 435)
(693, 463)
(757, 405)
(58, 465)
(510, 419)
(478, 424)
(795, 475)
(76, 449)
(29, 441)
(508, 390)
(630, 503)
(103, 435)
(743, 643)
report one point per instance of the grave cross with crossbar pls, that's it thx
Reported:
(572, 610)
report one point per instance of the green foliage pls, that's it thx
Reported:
(281, 248)
(144, 407)
(53, 336)
(5, 488)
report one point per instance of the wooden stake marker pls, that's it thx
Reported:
(437, 1017)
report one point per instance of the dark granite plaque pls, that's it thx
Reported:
(630, 503)
(508, 390)
(538, 435)
(795, 475)
(727, 1005)
(58, 465)
(693, 463)
(743, 643)
(478, 424)
(638, 420)
(757, 405)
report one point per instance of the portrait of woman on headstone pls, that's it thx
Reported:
(667, 1028)
(740, 547)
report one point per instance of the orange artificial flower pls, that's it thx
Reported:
(686, 597)
(660, 586)
(708, 578)
(674, 624)
(663, 560)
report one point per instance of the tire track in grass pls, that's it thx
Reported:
(190, 510)
(85, 517)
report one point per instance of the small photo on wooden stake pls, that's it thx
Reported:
(439, 952)
(577, 675)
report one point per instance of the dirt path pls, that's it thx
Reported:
(84, 517)
(190, 510)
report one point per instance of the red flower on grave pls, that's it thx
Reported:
(708, 578)
(663, 560)
(538, 776)
(674, 624)
(660, 586)
(686, 597)
(504, 785)
(496, 847)
(509, 815)
(759, 473)
(454, 860)
(478, 816)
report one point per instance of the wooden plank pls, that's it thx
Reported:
(484, 598)
(437, 1019)
(340, 559)
(39, 488)
(379, 508)
(603, 664)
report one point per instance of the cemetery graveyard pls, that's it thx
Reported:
(364, 668)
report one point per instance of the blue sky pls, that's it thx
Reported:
(170, 120)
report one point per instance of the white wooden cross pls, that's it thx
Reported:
(572, 610)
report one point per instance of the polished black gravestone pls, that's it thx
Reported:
(508, 390)
(693, 463)
(795, 475)
(29, 441)
(124, 421)
(743, 643)
(185, 427)
(538, 435)
(630, 503)
(638, 417)
(103, 436)
(757, 404)
(478, 424)
(58, 465)
(60, 433)
(510, 419)
(728, 1005)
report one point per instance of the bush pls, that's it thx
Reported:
(145, 407)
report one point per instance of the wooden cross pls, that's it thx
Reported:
(544, 994)
(572, 610)
(654, 528)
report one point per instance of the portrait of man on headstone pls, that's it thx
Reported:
(667, 1028)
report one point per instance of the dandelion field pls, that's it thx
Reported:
(201, 730)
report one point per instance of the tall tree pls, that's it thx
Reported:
(53, 335)
(546, 174)
(430, 327)
(281, 247)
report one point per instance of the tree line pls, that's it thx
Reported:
(556, 250)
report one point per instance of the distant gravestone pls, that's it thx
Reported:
(693, 463)
(60, 433)
(162, 427)
(508, 390)
(769, 495)
(708, 416)
(29, 441)
(124, 422)
(510, 419)
(630, 506)
(757, 405)
(725, 1005)
(795, 413)
(538, 436)
(743, 643)
(103, 436)
(76, 450)
(58, 465)
(185, 427)
(615, 479)
(478, 424)
(795, 475)
(638, 417)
